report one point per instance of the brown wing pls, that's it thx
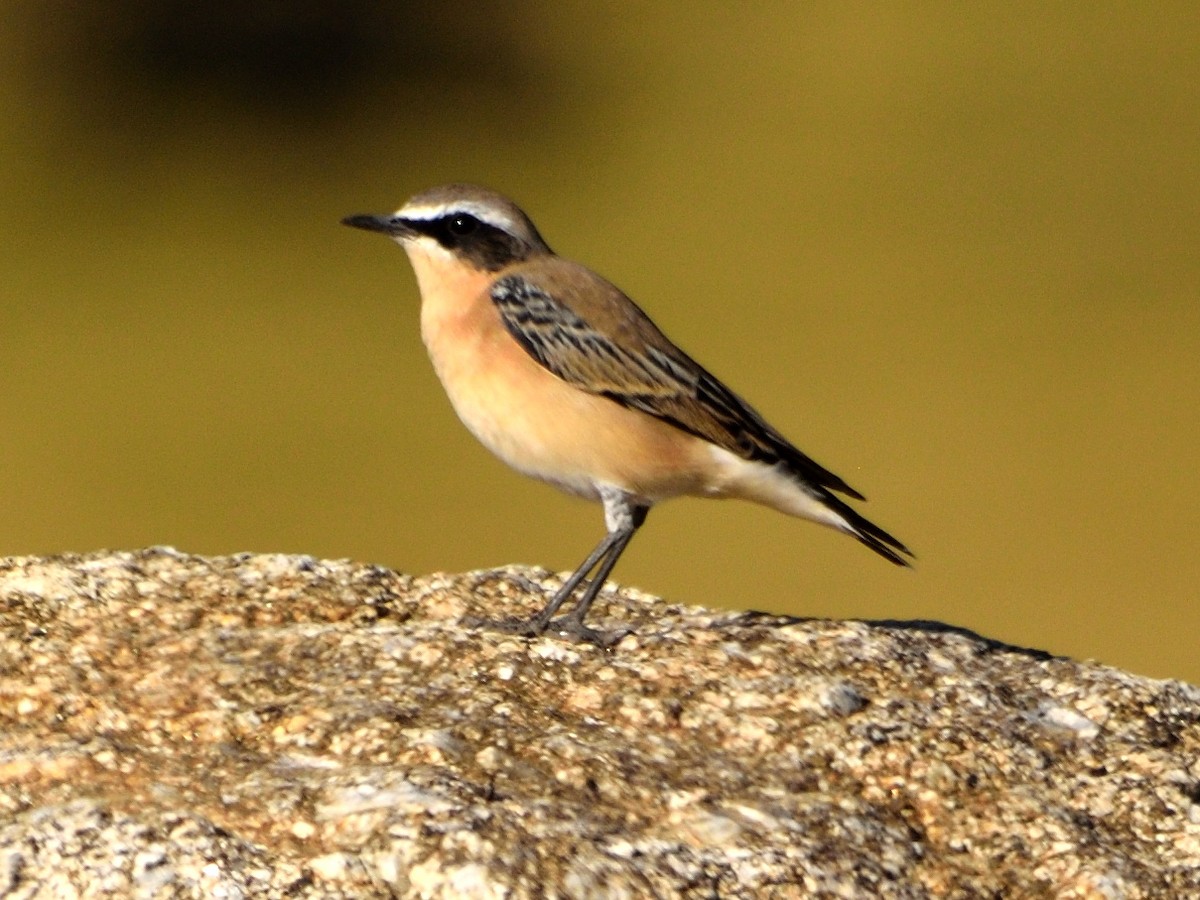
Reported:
(585, 331)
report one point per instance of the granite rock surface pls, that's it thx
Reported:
(281, 726)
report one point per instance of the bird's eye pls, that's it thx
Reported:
(462, 225)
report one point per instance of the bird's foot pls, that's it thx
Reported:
(572, 626)
(567, 626)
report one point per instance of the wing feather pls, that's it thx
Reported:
(585, 331)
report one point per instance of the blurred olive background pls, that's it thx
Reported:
(950, 249)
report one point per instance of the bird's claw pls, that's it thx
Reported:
(568, 626)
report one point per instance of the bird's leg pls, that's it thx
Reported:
(537, 624)
(572, 622)
(624, 516)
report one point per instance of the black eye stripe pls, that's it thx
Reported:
(481, 243)
(449, 229)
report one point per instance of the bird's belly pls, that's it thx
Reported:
(546, 428)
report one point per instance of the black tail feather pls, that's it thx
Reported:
(868, 533)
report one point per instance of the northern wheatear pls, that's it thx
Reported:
(564, 378)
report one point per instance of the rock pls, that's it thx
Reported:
(271, 726)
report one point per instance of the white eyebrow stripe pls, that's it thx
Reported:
(483, 212)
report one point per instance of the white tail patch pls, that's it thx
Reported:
(770, 486)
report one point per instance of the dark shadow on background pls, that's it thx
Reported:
(299, 63)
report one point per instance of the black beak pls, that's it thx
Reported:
(393, 226)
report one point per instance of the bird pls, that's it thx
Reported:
(564, 378)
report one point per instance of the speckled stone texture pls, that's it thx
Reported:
(279, 726)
